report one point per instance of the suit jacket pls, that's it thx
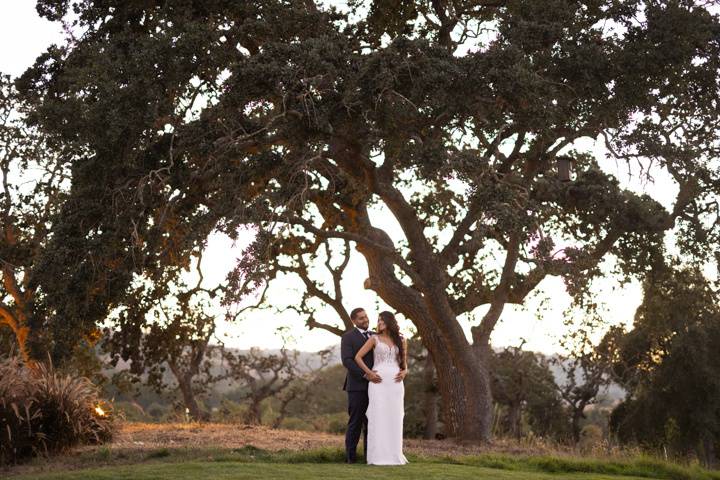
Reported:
(350, 344)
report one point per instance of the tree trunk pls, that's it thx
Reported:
(463, 383)
(577, 416)
(709, 456)
(254, 414)
(20, 333)
(17, 320)
(430, 403)
(514, 420)
(185, 385)
(479, 403)
(451, 389)
(191, 404)
(463, 378)
(284, 403)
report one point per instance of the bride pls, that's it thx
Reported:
(386, 408)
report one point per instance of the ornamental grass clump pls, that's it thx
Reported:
(43, 411)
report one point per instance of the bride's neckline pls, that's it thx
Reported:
(385, 343)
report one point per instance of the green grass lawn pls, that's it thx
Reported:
(234, 470)
(252, 463)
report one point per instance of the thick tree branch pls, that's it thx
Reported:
(481, 333)
(20, 331)
(449, 255)
(360, 240)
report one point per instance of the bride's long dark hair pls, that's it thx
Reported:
(393, 330)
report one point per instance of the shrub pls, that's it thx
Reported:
(158, 411)
(230, 411)
(17, 417)
(591, 437)
(44, 411)
(338, 423)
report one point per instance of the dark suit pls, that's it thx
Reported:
(357, 388)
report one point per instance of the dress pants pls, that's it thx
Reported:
(357, 423)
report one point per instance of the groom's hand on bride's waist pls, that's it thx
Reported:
(373, 377)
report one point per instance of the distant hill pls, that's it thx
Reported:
(610, 395)
(310, 361)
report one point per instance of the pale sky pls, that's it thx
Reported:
(24, 36)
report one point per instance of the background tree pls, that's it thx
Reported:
(669, 366)
(521, 380)
(168, 328)
(325, 405)
(301, 388)
(586, 372)
(311, 124)
(548, 416)
(28, 204)
(264, 375)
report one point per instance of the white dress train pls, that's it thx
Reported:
(386, 409)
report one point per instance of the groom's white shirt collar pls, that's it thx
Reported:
(361, 330)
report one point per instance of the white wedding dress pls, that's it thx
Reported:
(386, 409)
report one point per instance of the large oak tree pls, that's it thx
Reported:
(33, 186)
(449, 115)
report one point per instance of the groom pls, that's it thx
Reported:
(356, 382)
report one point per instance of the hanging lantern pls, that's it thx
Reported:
(564, 165)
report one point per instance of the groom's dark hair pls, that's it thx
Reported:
(355, 312)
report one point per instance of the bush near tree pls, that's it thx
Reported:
(670, 367)
(45, 411)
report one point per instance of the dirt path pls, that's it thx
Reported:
(174, 435)
(147, 436)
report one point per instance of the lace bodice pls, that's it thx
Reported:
(384, 353)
